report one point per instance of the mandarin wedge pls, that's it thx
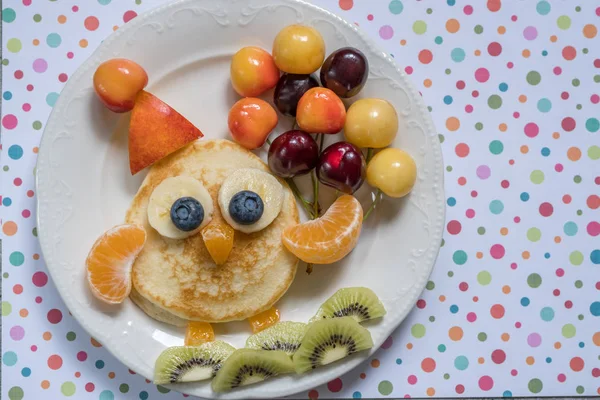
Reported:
(263, 320)
(330, 238)
(198, 333)
(110, 259)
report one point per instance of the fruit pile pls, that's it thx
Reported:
(369, 123)
(286, 347)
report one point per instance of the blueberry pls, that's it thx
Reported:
(187, 214)
(246, 207)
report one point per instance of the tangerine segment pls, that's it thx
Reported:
(330, 238)
(218, 239)
(198, 333)
(110, 259)
(263, 320)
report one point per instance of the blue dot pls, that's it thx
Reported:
(7, 95)
(503, 87)
(451, 201)
(525, 301)
(356, 395)
(457, 54)
(108, 395)
(143, 395)
(547, 314)
(104, 2)
(448, 99)
(544, 53)
(461, 363)
(51, 98)
(548, 360)
(496, 207)
(546, 255)
(15, 152)
(453, 308)
(460, 257)
(595, 256)
(53, 40)
(543, 7)
(9, 358)
(544, 105)
(581, 345)
(438, 40)
(26, 372)
(396, 7)
(595, 308)
(570, 228)
(451, 2)
(6, 201)
(99, 364)
(442, 348)
(507, 393)
(399, 361)
(545, 151)
(524, 196)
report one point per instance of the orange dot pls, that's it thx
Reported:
(35, 150)
(18, 289)
(479, 255)
(111, 375)
(115, 28)
(452, 25)
(526, 53)
(9, 228)
(47, 336)
(506, 289)
(23, 312)
(596, 339)
(83, 43)
(55, 362)
(430, 391)
(61, 19)
(555, 135)
(522, 98)
(480, 360)
(569, 53)
(35, 42)
(428, 364)
(524, 149)
(590, 31)
(553, 38)
(77, 374)
(45, 384)
(442, 298)
(425, 56)
(462, 150)
(494, 5)
(504, 231)
(497, 311)
(505, 337)
(375, 363)
(95, 343)
(576, 364)
(409, 346)
(455, 333)
(475, 299)
(530, 360)
(525, 255)
(557, 239)
(402, 42)
(427, 83)
(574, 153)
(503, 127)
(91, 23)
(477, 52)
(346, 4)
(452, 124)
(557, 345)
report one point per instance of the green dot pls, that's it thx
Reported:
(449, 168)
(534, 234)
(15, 393)
(37, 125)
(478, 29)
(496, 147)
(34, 232)
(579, 106)
(419, 27)
(533, 78)
(14, 45)
(578, 284)
(418, 330)
(442, 138)
(482, 336)
(596, 78)
(592, 125)
(68, 389)
(5, 168)
(124, 388)
(385, 387)
(569, 331)
(5, 275)
(16, 258)
(580, 317)
(579, 212)
(71, 336)
(563, 22)
(481, 230)
(6, 308)
(484, 278)
(161, 389)
(8, 15)
(479, 126)
(536, 176)
(431, 319)
(446, 376)
(576, 257)
(534, 280)
(443, 243)
(5, 62)
(575, 82)
(429, 11)
(495, 102)
(585, 50)
(577, 179)
(448, 71)
(594, 152)
(579, 389)
(450, 274)
(37, 17)
(577, 8)
(535, 385)
(429, 108)
(459, 257)
(430, 285)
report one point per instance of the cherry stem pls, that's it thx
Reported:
(378, 196)
(369, 154)
(305, 203)
(295, 125)
(315, 203)
(268, 141)
(322, 138)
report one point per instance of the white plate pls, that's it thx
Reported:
(84, 186)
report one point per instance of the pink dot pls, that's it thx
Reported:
(517, 324)
(568, 304)
(17, 332)
(556, 292)
(482, 75)
(26, 2)
(386, 32)
(473, 193)
(557, 70)
(498, 356)
(560, 272)
(370, 17)
(483, 171)
(421, 304)
(75, 8)
(596, 372)
(595, 99)
(38, 299)
(505, 184)
(470, 213)
(460, 389)
(475, 93)
(9, 121)
(546, 209)
(129, 15)
(40, 65)
(561, 378)
(486, 383)
(468, 10)
(463, 286)
(564, 95)
(29, 87)
(513, 18)
(388, 343)
(593, 228)
(54, 316)
(534, 339)
(70, 55)
(514, 372)
(408, 70)
(471, 317)
(531, 129)
(89, 387)
(494, 49)
(469, 108)
(530, 33)
(26, 107)
(510, 65)
(516, 114)
(82, 356)
(63, 77)
(558, 167)
(497, 251)
(460, 85)
(454, 227)
(18, 74)
(568, 124)
(26, 213)
(18, 182)
(39, 279)
(517, 219)
(33, 348)
(412, 379)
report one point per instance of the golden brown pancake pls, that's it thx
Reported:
(175, 280)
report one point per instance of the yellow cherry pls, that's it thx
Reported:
(393, 171)
(371, 123)
(299, 49)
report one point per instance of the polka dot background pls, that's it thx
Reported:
(513, 304)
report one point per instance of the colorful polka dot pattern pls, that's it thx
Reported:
(512, 306)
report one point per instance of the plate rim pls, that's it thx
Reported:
(433, 248)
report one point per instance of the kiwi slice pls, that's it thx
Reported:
(285, 336)
(248, 366)
(359, 303)
(329, 340)
(191, 363)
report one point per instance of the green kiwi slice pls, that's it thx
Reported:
(359, 303)
(248, 366)
(329, 340)
(285, 336)
(191, 363)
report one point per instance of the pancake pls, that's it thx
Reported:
(176, 280)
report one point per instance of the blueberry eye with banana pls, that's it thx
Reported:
(179, 207)
(250, 199)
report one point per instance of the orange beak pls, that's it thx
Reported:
(218, 238)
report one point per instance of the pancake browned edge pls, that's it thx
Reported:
(176, 280)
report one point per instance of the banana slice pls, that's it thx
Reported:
(262, 183)
(163, 197)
